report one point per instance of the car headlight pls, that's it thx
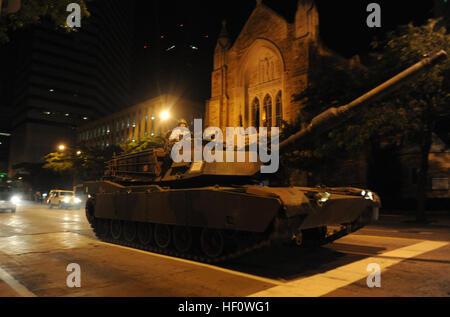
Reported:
(66, 200)
(15, 199)
(77, 200)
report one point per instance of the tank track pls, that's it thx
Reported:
(175, 253)
(171, 251)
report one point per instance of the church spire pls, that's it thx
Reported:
(224, 37)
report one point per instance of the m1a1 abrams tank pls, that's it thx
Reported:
(212, 212)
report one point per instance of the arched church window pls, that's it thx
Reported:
(267, 113)
(255, 113)
(279, 110)
(246, 114)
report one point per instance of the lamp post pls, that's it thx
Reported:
(165, 115)
(75, 156)
(63, 148)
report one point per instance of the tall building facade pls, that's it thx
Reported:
(59, 81)
(255, 77)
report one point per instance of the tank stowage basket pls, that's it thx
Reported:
(147, 163)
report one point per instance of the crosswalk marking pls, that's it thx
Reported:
(324, 283)
(15, 285)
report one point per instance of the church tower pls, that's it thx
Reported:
(307, 20)
(256, 74)
(218, 105)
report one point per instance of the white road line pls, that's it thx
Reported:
(216, 268)
(15, 285)
(381, 230)
(322, 284)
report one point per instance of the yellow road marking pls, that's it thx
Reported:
(15, 285)
(322, 284)
(209, 266)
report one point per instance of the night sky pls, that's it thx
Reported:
(175, 40)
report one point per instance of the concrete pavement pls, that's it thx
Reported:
(37, 245)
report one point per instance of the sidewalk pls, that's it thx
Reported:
(439, 219)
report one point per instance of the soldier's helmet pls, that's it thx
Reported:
(182, 123)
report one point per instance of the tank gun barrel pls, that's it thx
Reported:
(330, 118)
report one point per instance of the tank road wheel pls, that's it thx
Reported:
(162, 236)
(145, 233)
(129, 231)
(90, 213)
(182, 239)
(116, 229)
(212, 242)
(102, 227)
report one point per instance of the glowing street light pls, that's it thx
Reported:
(78, 153)
(165, 115)
(62, 147)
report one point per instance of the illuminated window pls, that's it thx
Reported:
(267, 113)
(255, 113)
(246, 115)
(279, 110)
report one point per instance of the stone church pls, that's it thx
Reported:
(255, 77)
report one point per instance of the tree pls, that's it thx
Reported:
(333, 81)
(142, 144)
(33, 12)
(411, 114)
(87, 163)
(415, 114)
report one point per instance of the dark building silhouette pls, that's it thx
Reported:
(53, 81)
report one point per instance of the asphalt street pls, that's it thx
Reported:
(38, 244)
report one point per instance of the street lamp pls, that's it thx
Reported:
(165, 115)
(63, 147)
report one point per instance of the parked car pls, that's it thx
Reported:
(63, 199)
(8, 200)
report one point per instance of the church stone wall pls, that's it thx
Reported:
(267, 64)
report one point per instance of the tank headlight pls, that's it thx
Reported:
(322, 198)
(77, 200)
(66, 200)
(367, 195)
(15, 199)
